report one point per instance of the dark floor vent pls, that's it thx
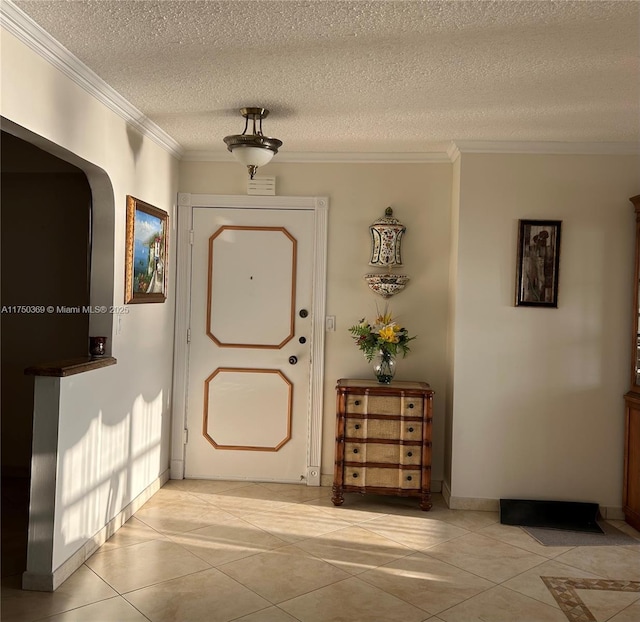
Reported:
(569, 515)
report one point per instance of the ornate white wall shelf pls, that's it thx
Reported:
(386, 252)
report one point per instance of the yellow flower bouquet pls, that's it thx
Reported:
(385, 335)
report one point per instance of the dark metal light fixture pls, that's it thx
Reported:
(256, 149)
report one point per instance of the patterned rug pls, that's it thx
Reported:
(563, 589)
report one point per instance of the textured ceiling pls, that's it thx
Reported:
(364, 77)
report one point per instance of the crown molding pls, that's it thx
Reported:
(453, 151)
(42, 43)
(543, 147)
(327, 157)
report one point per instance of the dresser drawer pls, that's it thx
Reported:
(356, 404)
(372, 428)
(410, 455)
(412, 406)
(394, 405)
(384, 405)
(382, 478)
(382, 453)
(383, 429)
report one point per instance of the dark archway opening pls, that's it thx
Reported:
(45, 254)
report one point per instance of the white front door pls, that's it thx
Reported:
(251, 336)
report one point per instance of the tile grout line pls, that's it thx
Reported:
(410, 550)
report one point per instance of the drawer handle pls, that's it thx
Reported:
(357, 426)
(410, 429)
(355, 451)
(410, 405)
(409, 453)
(357, 402)
(409, 478)
(355, 475)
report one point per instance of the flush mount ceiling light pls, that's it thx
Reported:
(253, 150)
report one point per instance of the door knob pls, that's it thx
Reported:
(293, 360)
(303, 313)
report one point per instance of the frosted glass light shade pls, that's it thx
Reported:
(256, 149)
(252, 156)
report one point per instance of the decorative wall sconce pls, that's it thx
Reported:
(386, 252)
(253, 150)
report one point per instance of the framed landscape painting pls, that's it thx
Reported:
(538, 263)
(146, 253)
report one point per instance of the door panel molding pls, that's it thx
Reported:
(206, 432)
(292, 294)
(186, 203)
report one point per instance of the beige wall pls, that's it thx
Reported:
(114, 440)
(528, 401)
(537, 405)
(359, 193)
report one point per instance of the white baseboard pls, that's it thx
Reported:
(612, 513)
(472, 503)
(493, 505)
(52, 581)
(446, 492)
(177, 469)
(468, 503)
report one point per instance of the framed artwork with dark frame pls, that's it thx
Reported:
(538, 263)
(146, 255)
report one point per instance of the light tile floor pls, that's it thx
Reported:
(254, 552)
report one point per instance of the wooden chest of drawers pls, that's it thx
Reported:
(383, 439)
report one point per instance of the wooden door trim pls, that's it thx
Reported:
(186, 203)
(292, 305)
(246, 370)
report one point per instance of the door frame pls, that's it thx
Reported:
(184, 240)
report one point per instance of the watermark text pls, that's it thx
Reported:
(62, 309)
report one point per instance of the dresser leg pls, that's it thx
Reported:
(425, 501)
(337, 498)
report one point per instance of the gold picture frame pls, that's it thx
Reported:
(146, 253)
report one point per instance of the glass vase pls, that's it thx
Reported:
(384, 367)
